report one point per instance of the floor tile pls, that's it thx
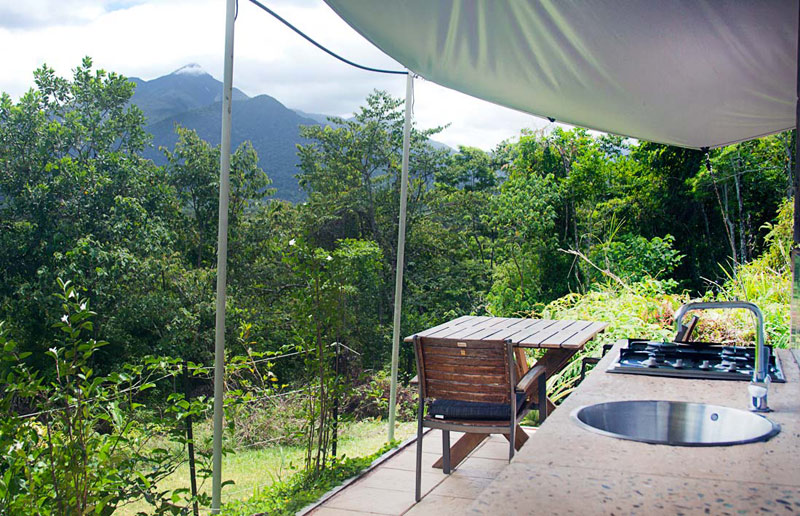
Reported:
(330, 511)
(401, 479)
(481, 467)
(493, 450)
(435, 505)
(459, 485)
(432, 442)
(389, 488)
(407, 459)
(369, 499)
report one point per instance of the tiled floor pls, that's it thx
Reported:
(389, 488)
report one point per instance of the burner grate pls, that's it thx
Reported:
(700, 360)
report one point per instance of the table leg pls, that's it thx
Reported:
(522, 362)
(461, 449)
(519, 437)
(446, 451)
(553, 361)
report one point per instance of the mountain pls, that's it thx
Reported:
(319, 117)
(272, 129)
(184, 89)
(192, 98)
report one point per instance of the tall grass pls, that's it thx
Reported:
(255, 469)
(646, 309)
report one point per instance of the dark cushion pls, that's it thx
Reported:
(475, 410)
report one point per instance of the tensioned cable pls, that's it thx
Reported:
(97, 398)
(742, 173)
(258, 361)
(319, 46)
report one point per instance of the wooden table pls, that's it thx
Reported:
(560, 339)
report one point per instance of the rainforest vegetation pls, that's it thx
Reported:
(108, 269)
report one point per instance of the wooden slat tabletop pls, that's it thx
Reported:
(526, 333)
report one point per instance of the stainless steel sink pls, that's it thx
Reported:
(675, 423)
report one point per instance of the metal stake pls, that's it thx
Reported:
(795, 254)
(190, 437)
(222, 257)
(401, 244)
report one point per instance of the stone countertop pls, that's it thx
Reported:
(564, 469)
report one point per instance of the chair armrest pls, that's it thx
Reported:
(528, 382)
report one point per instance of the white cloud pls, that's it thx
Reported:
(151, 38)
(18, 15)
(22, 15)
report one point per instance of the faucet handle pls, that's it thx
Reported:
(758, 395)
(685, 331)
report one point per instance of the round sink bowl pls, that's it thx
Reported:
(675, 423)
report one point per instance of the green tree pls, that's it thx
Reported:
(79, 202)
(452, 248)
(525, 215)
(193, 170)
(351, 171)
(743, 187)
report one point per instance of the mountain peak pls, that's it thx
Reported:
(190, 69)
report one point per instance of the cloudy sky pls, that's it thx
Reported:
(150, 38)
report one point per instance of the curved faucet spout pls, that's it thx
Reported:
(760, 384)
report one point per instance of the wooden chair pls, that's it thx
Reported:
(471, 386)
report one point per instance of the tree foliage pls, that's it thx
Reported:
(534, 226)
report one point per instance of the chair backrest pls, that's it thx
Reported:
(465, 370)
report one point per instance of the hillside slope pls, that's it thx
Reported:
(190, 97)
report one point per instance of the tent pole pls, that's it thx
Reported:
(401, 244)
(222, 257)
(795, 254)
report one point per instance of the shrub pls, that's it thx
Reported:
(371, 399)
(277, 420)
(635, 258)
(77, 448)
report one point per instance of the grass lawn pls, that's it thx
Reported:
(257, 468)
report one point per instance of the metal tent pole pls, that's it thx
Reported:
(401, 245)
(794, 338)
(222, 257)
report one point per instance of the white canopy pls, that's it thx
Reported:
(690, 73)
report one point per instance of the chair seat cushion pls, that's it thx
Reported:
(473, 410)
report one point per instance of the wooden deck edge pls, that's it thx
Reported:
(377, 462)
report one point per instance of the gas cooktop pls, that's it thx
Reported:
(699, 360)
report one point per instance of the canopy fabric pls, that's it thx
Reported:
(689, 73)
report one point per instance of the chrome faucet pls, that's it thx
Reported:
(759, 385)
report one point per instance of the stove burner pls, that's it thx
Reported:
(660, 347)
(728, 365)
(692, 360)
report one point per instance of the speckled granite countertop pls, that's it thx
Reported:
(564, 469)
